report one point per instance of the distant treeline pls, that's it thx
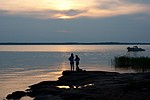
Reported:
(76, 43)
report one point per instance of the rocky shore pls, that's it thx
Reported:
(90, 85)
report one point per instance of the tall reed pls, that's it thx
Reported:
(136, 63)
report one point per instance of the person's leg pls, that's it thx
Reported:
(71, 66)
(77, 64)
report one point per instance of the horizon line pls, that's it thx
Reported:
(74, 43)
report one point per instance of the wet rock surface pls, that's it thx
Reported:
(91, 85)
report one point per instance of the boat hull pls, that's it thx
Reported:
(135, 49)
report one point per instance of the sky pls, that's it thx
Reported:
(74, 20)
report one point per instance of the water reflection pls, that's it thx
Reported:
(133, 70)
(10, 82)
(65, 87)
(135, 54)
(26, 98)
(68, 87)
(59, 48)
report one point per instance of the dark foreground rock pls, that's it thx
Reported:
(92, 85)
(16, 95)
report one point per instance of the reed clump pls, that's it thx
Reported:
(138, 63)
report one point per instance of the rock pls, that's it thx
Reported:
(16, 95)
(44, 91)
(43, 84)
(67, 73)
(47, 97)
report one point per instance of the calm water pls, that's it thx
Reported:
(23, 65)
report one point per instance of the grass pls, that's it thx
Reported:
(136, 63)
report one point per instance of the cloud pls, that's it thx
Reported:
(73, 8)
(73, 12)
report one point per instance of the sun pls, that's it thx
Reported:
(63, 4)
(65, 17)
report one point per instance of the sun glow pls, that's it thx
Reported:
(68, 9)
(63, 5)
(65, 17)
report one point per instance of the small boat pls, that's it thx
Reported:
(135, 48)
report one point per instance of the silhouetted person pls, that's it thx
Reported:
(71, 59)
(77, 59)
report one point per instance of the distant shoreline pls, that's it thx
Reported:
(76, 43)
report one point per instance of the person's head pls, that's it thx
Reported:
(76, 55)
(71, 54)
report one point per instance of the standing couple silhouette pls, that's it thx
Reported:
(71, 59)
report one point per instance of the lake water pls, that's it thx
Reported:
(24, 65)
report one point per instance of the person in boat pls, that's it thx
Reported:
(71, 59)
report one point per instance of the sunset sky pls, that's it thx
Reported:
(74, 20)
